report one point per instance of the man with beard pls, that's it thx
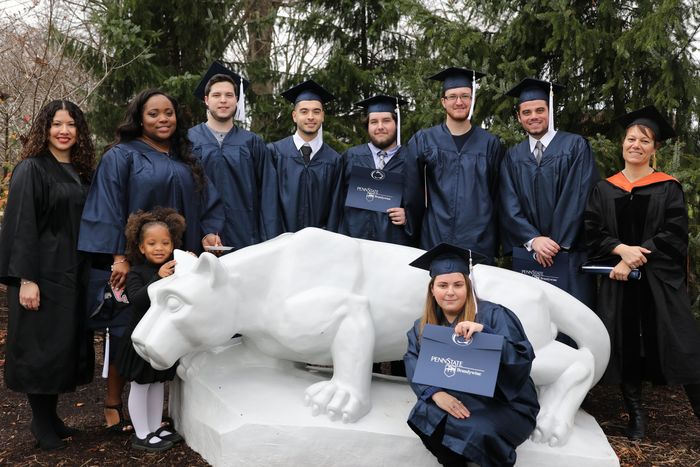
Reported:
(545, 182)
(459, 163)
(308, 170)
(383, 152)
(236, 161)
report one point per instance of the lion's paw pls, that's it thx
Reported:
(336, 400)
(552, 430)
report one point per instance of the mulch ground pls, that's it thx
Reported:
(673, 437)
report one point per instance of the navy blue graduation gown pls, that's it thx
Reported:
(498, 424)
(48, 351)
(133, 176)
(309, 195)
(462, 187)
(550, 200)
(373, 225)
(242, 170)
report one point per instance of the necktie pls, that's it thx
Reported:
(306, 152)
(538, 152)
(381, 155)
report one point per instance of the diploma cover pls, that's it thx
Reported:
(448, 361)
(374, 189)
(557, 274)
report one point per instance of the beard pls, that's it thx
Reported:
(384, 141)
(221, 119)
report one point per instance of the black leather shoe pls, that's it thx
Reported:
(174, 437)
(62, 430)
(632, 397)
(46, 439)
(146, 445)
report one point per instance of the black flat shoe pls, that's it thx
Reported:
(146, 445)
(47, 440)
(123, 426)
(62, 430)
(174, 437)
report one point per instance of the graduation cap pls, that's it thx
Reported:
(531, 89)
(650, 117)
(454, 77)
(445, 259)
(384, 103)
(218, 68)
(309, 90)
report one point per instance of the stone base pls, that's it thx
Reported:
(237, 408)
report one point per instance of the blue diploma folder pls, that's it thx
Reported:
(557, 274)
(374, 189)
(448, 361)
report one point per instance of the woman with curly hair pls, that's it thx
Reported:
(149, 164)
(48, 350)
(151, 238)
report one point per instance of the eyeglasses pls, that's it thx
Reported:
(454, 97)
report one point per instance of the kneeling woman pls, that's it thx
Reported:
(456, 426)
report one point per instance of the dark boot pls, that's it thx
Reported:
(41, 425)
(693, 393)
(62, 430)
(632, 397)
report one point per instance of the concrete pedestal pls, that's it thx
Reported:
(238, 408)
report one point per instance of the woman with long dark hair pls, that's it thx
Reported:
(48, 350)
(149, 164)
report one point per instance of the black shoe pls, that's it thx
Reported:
(62, 430)
(146, 445)
(174, 437)
(46, 439)
(632, 397)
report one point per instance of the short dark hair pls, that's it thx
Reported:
(220, 78)
(365, 119)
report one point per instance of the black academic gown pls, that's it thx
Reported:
(133, 176)
(498, 424)
(242, 170)
(462, 187)
(309, 195)
(48, 351)
(129, 363)
(373, 225)
(549, 200)
(658, 305)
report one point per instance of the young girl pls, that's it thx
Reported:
(151, 238)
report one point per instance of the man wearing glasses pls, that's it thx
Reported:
(459, 163)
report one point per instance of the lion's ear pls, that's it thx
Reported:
(209, 265)
(185, 262)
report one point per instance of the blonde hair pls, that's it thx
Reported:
(430, 311)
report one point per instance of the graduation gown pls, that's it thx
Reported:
(133, 176)
(651, 214)
(309, 195)
(498, 424)
(549, 200)
(48, 351)
(243, 173)
(462, 187)
(373, 225)
(129, 363)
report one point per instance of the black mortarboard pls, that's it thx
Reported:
(453, 77)
(531, 89)
(309, 90)
(218, 68)
(650, 117)
(381, 103)
(446, 259)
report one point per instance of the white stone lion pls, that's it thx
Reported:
(324, 298)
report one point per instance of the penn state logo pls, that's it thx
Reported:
(369, 197)
(461, 341)
(377, 175)
(450, 370)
